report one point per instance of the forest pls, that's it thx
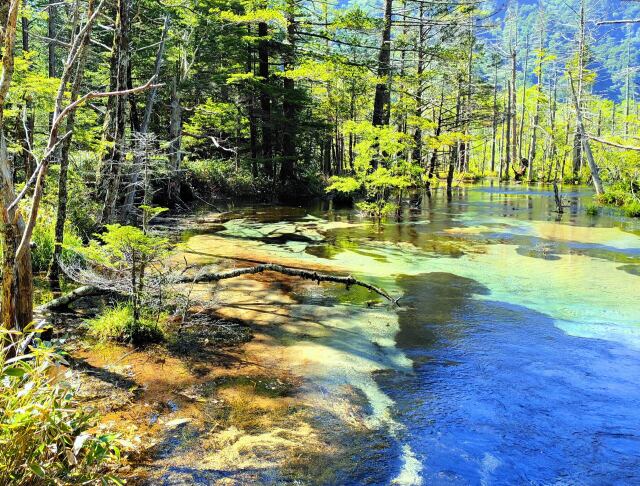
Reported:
(153, 151)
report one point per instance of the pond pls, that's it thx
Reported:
(514, 354)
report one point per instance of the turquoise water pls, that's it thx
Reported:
(515, 354)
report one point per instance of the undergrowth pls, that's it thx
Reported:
(117, 324)
(45, 436)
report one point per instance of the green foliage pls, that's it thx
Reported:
(125, 247)
(118, 324)
(613, 197)
(346, 185)
(592, 209)
(45, 436)
(210, 119)
(617, 196)
(380, 167)
(377, 209)
(126, 255)
(632, 208)
(43, 241)
(469, 176)
(221, 176)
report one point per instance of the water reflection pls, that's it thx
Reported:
(523, 332)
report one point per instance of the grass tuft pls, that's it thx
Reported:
(117, 324)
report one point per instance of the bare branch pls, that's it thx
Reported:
(612, 22)
(293, 272)
(45, 159)
(613, 144)
(105, 94)
(37, 196)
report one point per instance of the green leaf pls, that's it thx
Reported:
(38, 470)
(14, 371)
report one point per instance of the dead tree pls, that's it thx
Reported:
(17, 277)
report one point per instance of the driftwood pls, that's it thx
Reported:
(348, 281)
(293, 272)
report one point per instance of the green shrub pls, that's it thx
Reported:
(571, 179)
(222, 176)
(44, 434)
(632, 209)
(43, 241)
(117, 324)
(469, 176)
(82, 208)
(377, 209)
(592, 209)
(613, 196)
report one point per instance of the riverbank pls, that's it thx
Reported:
(238, 394)
(498, 300)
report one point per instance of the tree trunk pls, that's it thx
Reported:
(417, 136)
(251, 109)
(524, 99)
(61, 213)
(265, 99)
(381, 108)
(434, 156)
(175, 136)
(508, 141)
(115, 120)
(28, 115)
(536, 116)
(289, 104)
(143, 129)
(465, 149)
(578, 143)
(16, 294)
(494, 134)
(593, 167)
(514, 124)
(627, 96)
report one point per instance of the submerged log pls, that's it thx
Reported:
(348, 281)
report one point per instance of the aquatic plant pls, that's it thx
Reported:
(592, 209)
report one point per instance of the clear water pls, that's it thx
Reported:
(515, 355)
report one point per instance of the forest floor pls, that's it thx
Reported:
(218, 403)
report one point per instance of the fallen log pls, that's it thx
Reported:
(66, 299)
(348, 281)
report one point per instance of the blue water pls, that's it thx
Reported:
(502, 396)
(500, 393)
(521, 327)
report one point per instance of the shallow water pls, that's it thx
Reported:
(515, 354)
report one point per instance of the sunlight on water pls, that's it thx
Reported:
(511, 263)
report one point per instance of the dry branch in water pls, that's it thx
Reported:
(348, 281)
(293, 272)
